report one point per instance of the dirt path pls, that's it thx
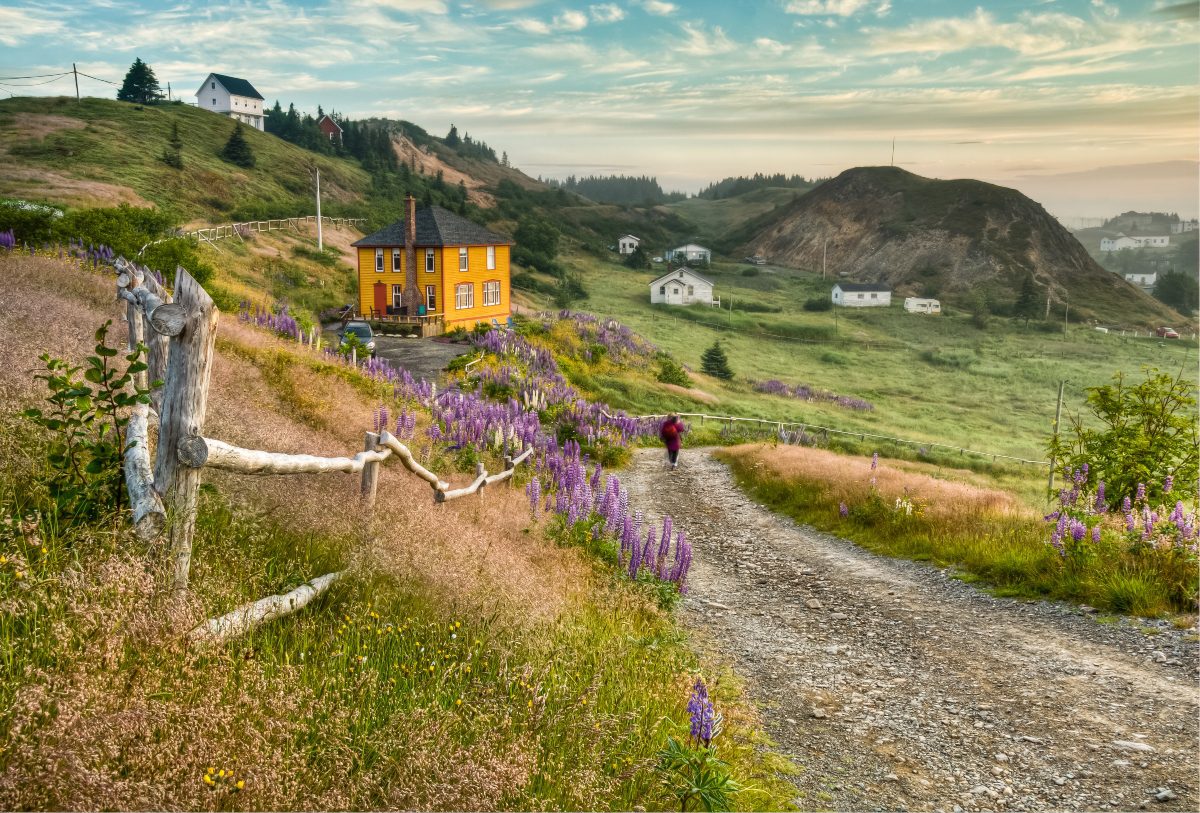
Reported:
(895, 686)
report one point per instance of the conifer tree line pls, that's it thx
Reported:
(740, 185)
(625, 190)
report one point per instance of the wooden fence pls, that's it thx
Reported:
(792, 435)
(228, 230)
(179, 333)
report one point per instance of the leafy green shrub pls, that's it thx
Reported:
(750, 272)
(671, 372)
(87, 421)
(127, 229)
(954, 358)
(31, 223)
(818, 303)
(830, 357)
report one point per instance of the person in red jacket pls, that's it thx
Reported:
(672, 437)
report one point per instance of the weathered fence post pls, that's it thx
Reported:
(370, 472)
(184, 403)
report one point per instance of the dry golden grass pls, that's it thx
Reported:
(847, 479)
(695, 393)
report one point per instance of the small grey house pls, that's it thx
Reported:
(862, 295)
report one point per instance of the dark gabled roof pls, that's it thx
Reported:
(435, 227)
(675, 273)
(238, 87)
(863, 287)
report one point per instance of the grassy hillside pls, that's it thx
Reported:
(714, 220)
(101, 152)
(470, 659)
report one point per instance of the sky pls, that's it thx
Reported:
(1089, 106)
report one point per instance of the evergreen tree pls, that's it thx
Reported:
(452, 139)
(1178, 290)
(715, 363)
(1026, 306)
(140, 86)
(172, 154)
(237, 150)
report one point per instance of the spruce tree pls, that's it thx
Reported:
(452, 139)
(172, 154)
(715, 363)
(237, 150)
(140, 86)
(1027, 300)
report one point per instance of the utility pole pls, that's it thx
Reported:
(1057, 418)
(168, 91)
(320, 234)
(893, 161)
(75, 71)
(824, 251)
(1066, 310)
(1047, 304)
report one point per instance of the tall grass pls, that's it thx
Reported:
(985, 534)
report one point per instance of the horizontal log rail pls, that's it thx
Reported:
(227, 230)
(780, 425)
(253, 615)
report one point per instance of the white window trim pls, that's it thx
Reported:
(491, 258)
(396, 259)
(378, 261)
(397, 296)
(430, 262)
(491, 293)
(464, 296)
(431, 298)
(463, 259)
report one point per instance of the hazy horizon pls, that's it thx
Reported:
(1057, 98)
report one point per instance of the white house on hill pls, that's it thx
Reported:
(691, 253)
(231, 97)
(683, 286)
(1143, 280)
(861, 295)
(1122, 242)
(628, 243)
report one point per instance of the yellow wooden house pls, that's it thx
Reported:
(434, 266)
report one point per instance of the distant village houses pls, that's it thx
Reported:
(1122, 242)
(1185, 226)
(690, 253)
(861, 295)
(233, 97)
(1144, 280)
(683, 286)
(628, 243)
(331, 129)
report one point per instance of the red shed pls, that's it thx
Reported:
(331, 129)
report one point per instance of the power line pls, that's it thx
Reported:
(98, 79)
(33, 84)
(35, 76)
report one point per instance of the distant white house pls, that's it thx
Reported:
(682, 286)
(861, 295)
(914, 304)
(1144, 280)
(1122, 242)
(691, 253)
(231, 97)
(628, 243)
(1185, 226)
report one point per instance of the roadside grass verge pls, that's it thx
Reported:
(984, 534)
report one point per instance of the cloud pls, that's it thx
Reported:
(770, 46)
(659, 7)
(606, 13)
(410, 6)
(531, 26)
(570, 21)
(17, 24)
(698, 42)
(838, 8)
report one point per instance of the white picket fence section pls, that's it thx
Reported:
(226, 231)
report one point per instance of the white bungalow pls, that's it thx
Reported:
(1122, 242)
(683, 286)
(231, 97)
(862, 295)
(690, 253)
(915, 304)
(628, 243)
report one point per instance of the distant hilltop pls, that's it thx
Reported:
(955, 240)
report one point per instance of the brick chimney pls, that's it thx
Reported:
(412, 296)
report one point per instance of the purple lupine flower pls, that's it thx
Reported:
(1078, 530)
(700, 710)
(1096, 534)
(1126, 505)
(843, 510)
(1168, 484)
(534, 490)
(874, 461)
(1101, 505)
(648, 551)
(1141, 493)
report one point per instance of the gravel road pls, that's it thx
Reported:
(897, 687)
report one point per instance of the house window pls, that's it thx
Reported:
(464, 296)
(874, 296)
(378, 261)
(214, 102)
(691, 290)
(431, 298)
(491, 258)
(491, 293)
(397, 296)
(395, 259)
(462, 259)
(662, 290)
(860, 296)
(429, 261)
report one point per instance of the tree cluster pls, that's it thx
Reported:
(469, 148)
(740, 185)
(624, 190)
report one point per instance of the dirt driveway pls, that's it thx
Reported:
(424, 358)
(897, 687)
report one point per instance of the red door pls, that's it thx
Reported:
(380, 299)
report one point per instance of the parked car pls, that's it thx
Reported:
(362, 330)
(1166, 333)
(656, 259)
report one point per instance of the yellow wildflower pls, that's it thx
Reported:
(208, 779)
(241, 783)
